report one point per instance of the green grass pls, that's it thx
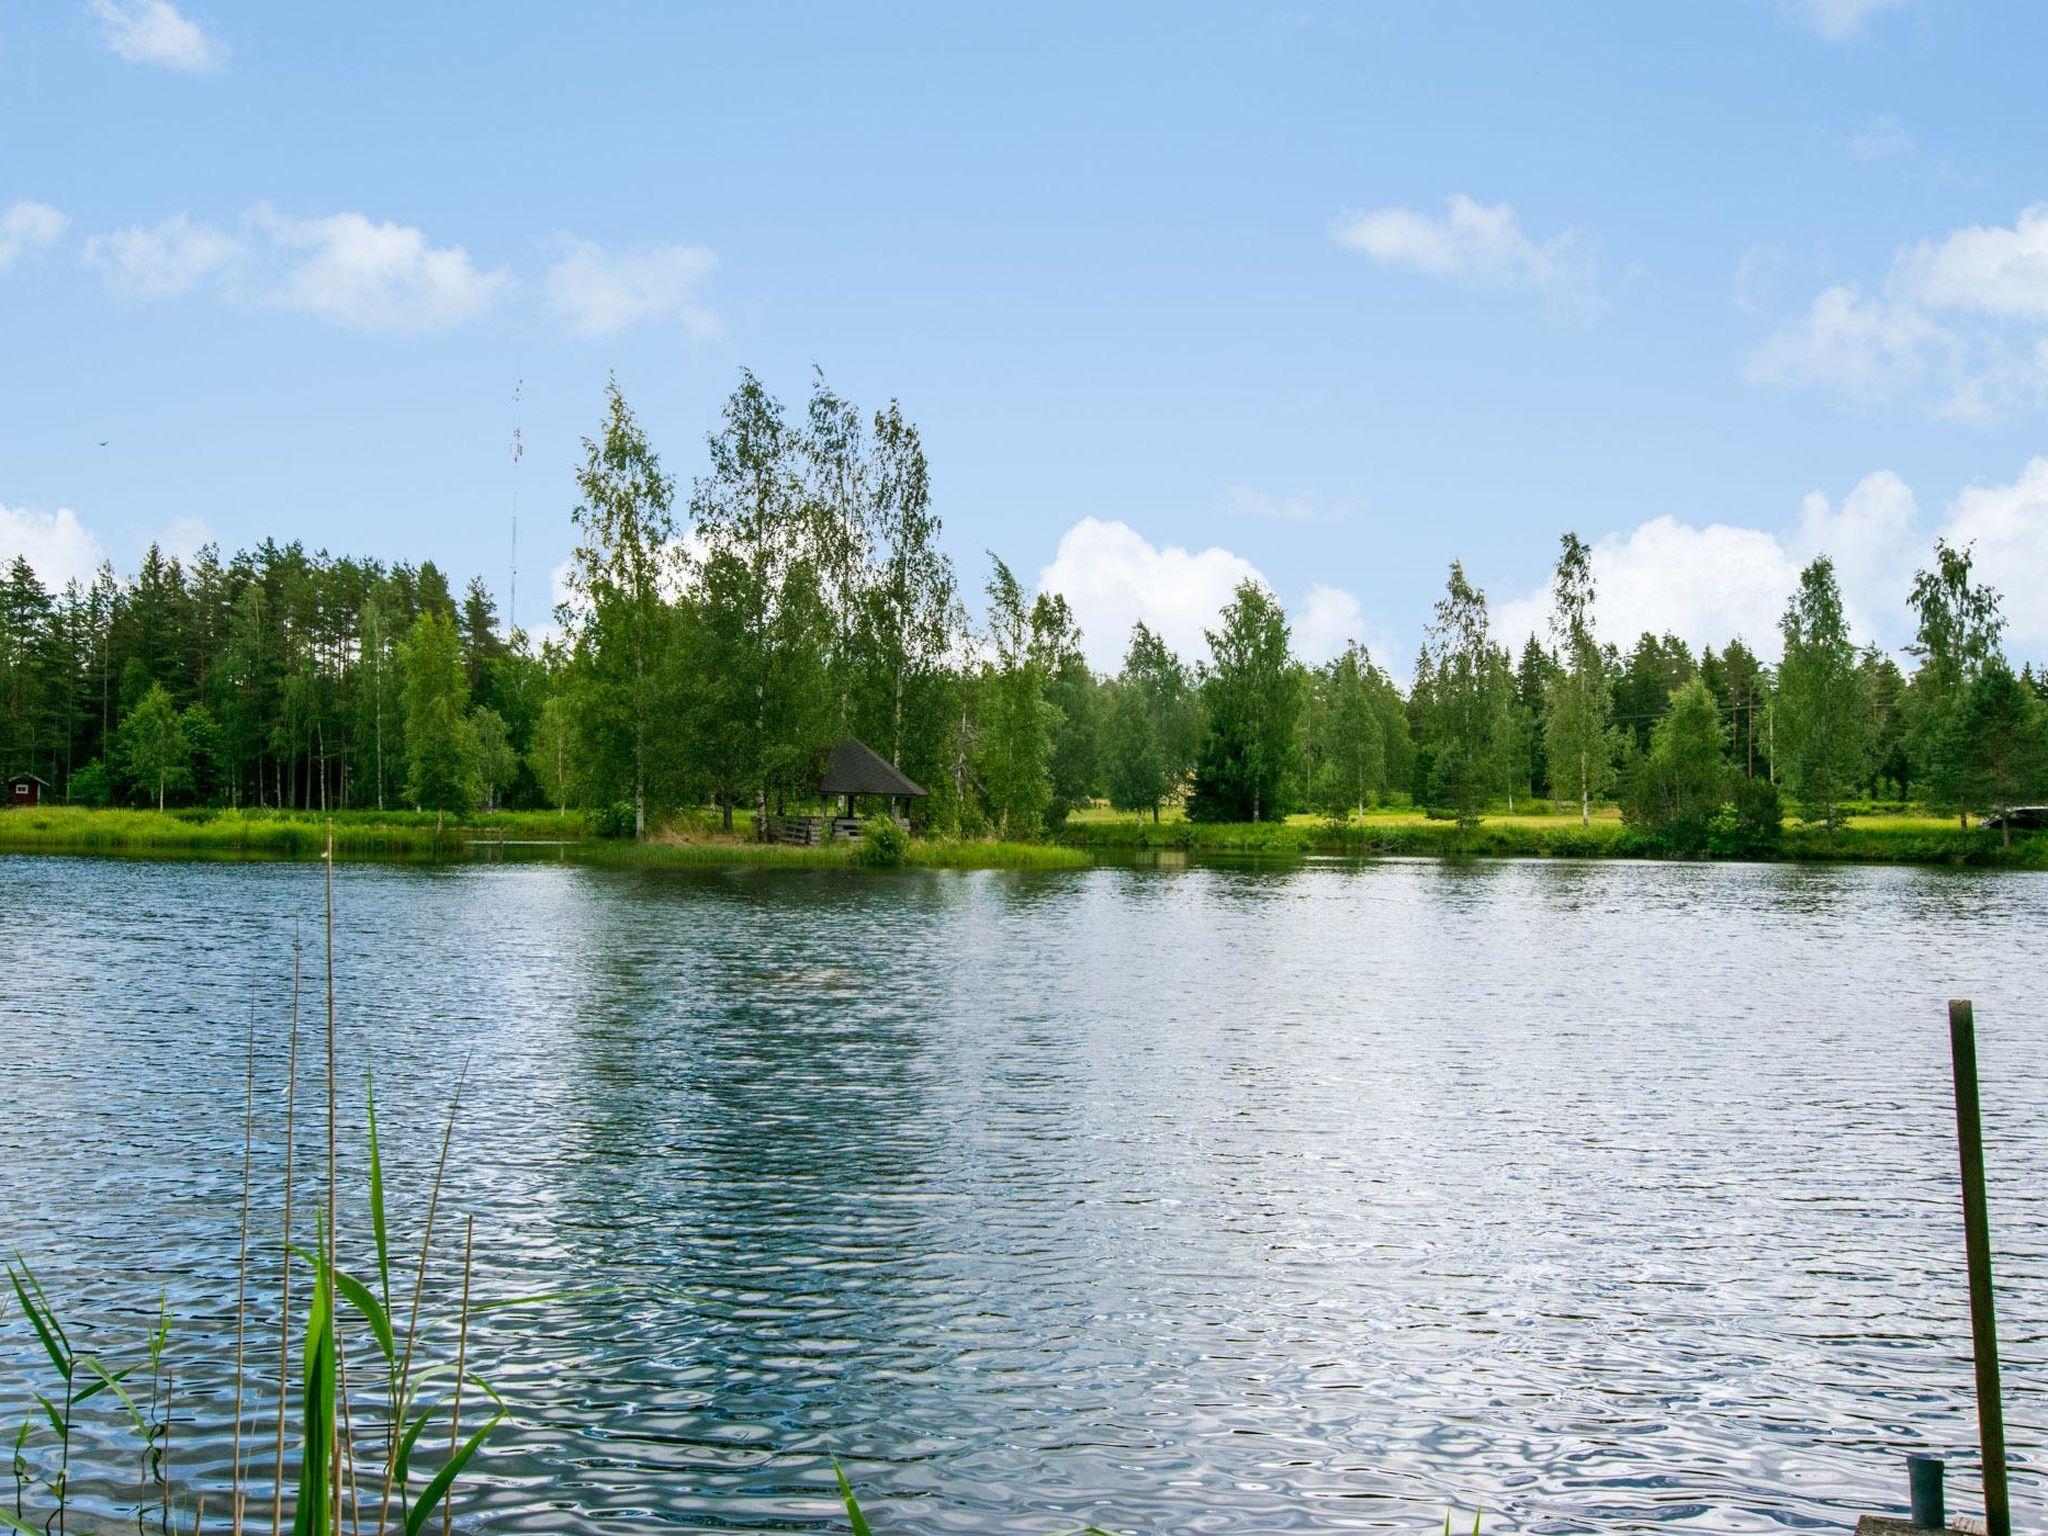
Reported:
(405, 834)
(1400, 831)
(282, 834)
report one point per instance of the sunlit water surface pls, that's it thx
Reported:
(1284, 1199)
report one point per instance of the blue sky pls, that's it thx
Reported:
(1175, 293)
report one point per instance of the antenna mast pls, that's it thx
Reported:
(518, 453)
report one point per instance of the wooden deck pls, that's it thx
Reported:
(809, 831)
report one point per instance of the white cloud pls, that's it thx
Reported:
(56, 544)
(155, 32)
(2007, 529)
(597, 292)
(1328, 620)
(1837, 19)
(1996, 271)
(1869, 349)
(1112, 576)
(1709, 584)
(1471, 242)
(158, 260)
(27, 226)
(374, 276)
(182, 538)
(1959, 326)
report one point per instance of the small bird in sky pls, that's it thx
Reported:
(103, 442)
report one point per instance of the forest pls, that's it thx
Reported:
(716, 642)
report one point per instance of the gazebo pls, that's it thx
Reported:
(853, 770)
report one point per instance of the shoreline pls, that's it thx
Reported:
(399, 836)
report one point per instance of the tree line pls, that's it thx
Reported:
(716, 641)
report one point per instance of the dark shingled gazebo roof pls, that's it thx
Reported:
(856, 769)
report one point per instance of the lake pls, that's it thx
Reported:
(1289, 1198)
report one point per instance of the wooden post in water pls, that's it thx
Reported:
(1962, 1036)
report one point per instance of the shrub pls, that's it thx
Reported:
(91, 786)
(883, 843)
(613, 821)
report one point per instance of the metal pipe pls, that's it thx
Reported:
(1962, 1035)
(1923, 1478)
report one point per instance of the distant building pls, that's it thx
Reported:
(25, 789)
(852, 771)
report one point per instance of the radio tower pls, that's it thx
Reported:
(518, 453)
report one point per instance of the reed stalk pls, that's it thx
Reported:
(402, 1399)
(461, 1368)
(333, 1161)
(242, 1273)
(284, 1326)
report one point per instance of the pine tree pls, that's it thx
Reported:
(1998, 744)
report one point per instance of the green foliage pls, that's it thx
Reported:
(1823, 704)
(1468, 727)
(441, 743)
(496, 762)
(1751, 824)
(91, 786)
(1253, 692)
(1681, 782)
(1996, 743)
(883, 843)
(1152, 728)
(623, 562)
(613, 821)
(152, 746)
(1956, 635)
(1347, 749)
(1017, 720)
(1578, 742)
(556, 753)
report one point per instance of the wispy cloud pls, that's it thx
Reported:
(1249, 501)
(374, 275)
(1885, 138)
(1840, 19)
(600, 292)
(26, 227)
(158, 260)
(1480, 244)
(156, 32)
(346, 268)
(1959, 326)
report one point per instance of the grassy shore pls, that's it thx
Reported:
(694, 839)
(1885, 839)
(282, 834)
(412, 834)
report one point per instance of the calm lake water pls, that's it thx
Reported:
(1279, 1199)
